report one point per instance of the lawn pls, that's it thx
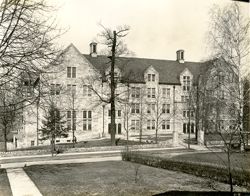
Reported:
(4, 184)
(114, 178)
(239, 160)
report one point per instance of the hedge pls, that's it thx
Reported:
(212, 171)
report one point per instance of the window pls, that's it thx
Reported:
(135, 108)
(135, 124)
(135, 92)
(151, 77)
(87, 90)
(71, 72)
(117, 127)
(55, 89)
(188, 127)
(52, 89)
(165, 124)
(87, 120)
(151, 108)
(186, 83)
(151, 92)
(186, 113)
(184, 98)
(165, 108)
(71, 89)
(32, 143)
(166, 93)
(119, 113)
(71, 120)
(68, 72)
(150, 124)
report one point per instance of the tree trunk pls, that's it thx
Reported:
(5, 140)
(112, 86)
(140, 136)
(229, 170)
(156, 135)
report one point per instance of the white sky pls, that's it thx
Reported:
(158, 27)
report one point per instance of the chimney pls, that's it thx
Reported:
(93, 49)
(180, 56)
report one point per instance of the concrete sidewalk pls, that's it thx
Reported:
(21, 184)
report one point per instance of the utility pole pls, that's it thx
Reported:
(113, 86)
(37, 110)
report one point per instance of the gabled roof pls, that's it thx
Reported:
(134, 68)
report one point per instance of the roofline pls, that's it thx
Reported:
(127, 57)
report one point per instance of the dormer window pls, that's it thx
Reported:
(186, 83)
(151, 77)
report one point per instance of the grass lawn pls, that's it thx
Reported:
(240, 160)
(4, 184)
(114, 178)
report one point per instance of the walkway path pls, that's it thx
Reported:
(21, 184)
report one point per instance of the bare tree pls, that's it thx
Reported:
(229, 39)
(113, 40)
(219, 110)
(27, 34)
(222, 95)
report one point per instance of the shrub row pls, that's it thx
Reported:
(34, 151)
(212, 171)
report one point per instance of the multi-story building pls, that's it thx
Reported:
(151, 95)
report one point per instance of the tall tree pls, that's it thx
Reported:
(113, 40)
(27, 35)
(230, 41)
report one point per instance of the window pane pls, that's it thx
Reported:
(84, 114)
(149, 92)
(74, 114)
(52, 89)
(153, 77)
(149, 77)
(153, 92)
(119, 128)
(68, 72)
(184, 128)
(68, 114)
(73, 72)
(89, 114)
